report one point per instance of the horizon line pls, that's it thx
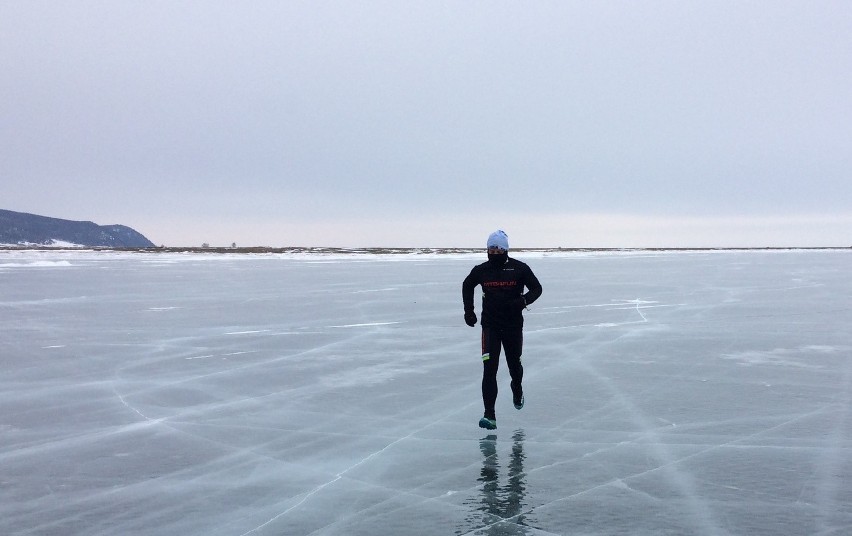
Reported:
(389, 249)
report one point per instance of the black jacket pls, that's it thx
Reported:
(502, 288)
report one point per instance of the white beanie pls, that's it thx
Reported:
(498, 239)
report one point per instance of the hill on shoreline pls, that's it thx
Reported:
(21, 228)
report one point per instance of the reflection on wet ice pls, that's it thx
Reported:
(499, 509)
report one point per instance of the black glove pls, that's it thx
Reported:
(470, 318)
(520, 302)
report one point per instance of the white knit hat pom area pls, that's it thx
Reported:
(498, 239)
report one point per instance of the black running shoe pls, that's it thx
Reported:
(517, 396)
(488, 424)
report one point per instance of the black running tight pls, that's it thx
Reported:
(512, 341)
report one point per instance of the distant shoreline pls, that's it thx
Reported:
(394, 251)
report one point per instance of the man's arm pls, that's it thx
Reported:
(468, 287)
(531, 282)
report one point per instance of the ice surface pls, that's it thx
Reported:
(688, 393)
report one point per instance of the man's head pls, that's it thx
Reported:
(498, 248)
(498, 240)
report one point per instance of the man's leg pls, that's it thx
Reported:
(513, 342)
(490, 364)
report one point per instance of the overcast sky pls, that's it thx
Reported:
(403, 123)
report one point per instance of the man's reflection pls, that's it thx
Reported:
(501, 507)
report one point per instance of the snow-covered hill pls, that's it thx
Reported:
(28, 229)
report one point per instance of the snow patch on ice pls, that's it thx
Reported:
(367, 324)
(223, 356)
(374, 290)
(785, 357)
(36, 264)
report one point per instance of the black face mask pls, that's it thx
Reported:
(498, 259)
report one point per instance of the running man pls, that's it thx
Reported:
(503, 280)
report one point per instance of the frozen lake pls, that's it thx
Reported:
(667, 393)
